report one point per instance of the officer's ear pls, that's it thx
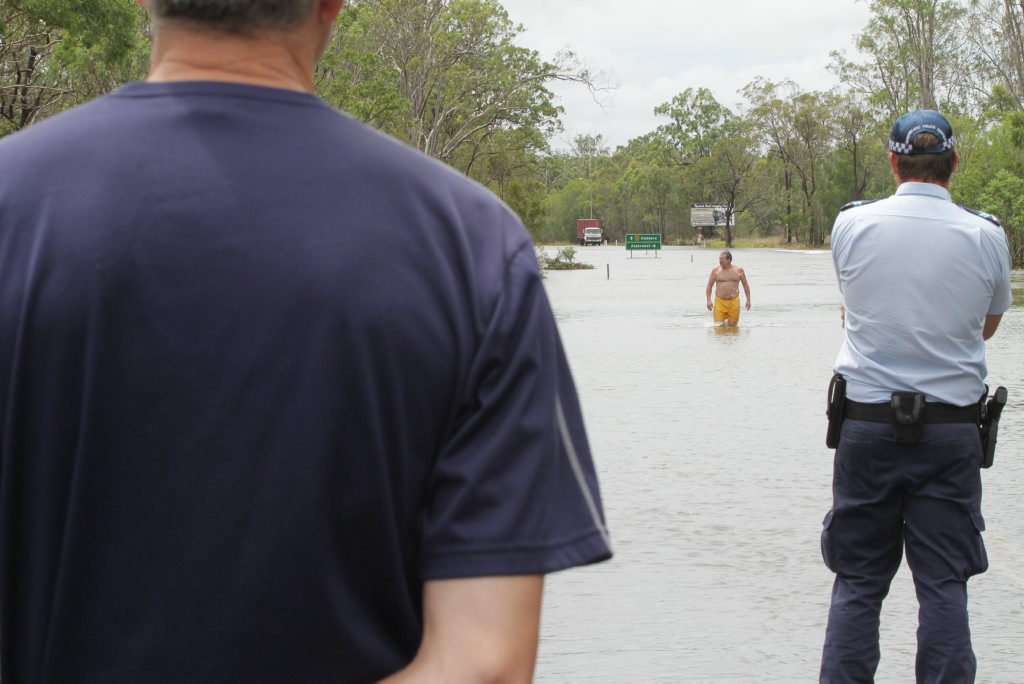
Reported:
(895, 167)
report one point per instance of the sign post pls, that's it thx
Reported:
(643, 241)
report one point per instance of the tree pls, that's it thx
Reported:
(697, 121)
(443, 75)
(727, 170)
(853, 128)
(995, 31)
(1004, 196)
(796, 124)
(55, 53)
(991, 178)
(914, 54)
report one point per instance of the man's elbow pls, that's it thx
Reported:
(492, 667)
(502, 672)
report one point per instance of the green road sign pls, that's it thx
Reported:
(643, 240)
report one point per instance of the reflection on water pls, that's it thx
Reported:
(710, 447)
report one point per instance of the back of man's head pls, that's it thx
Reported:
(236, 16)
(923, 144)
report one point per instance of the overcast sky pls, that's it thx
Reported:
(655, 49)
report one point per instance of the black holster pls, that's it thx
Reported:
(991, 410)
(835, 410)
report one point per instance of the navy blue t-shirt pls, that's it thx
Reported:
(263, 371)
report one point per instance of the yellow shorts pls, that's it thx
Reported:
(727, 309)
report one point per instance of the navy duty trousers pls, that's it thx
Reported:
(887, 496)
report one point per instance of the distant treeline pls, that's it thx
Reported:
(447, 77)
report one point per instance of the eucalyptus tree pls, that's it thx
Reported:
(587, 149)
(766, 216)
(859, 134)
(445, 76)
(1004, 196)
(55, 53)
(506, 163)
(797, 126)
(654, 183)
(915, 56)
(696, 123)
(727, 171)
(995, 31)
(991, 176)
(578, 179)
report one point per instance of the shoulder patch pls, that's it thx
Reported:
(983, 214)
(857, 203)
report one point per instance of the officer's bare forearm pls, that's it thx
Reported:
(991, 323)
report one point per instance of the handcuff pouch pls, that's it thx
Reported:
(907, 416)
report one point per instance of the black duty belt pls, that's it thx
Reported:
(934, 412)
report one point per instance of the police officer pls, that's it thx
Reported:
(924, 283)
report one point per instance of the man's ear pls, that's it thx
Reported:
(895, 168)
(326, 10)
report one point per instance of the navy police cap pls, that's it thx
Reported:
(906, 128)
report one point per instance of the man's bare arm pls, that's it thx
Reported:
(711, 283)
(746, 286)
(991, 323)
(479, 629)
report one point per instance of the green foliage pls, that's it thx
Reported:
(108, 26)
(915, 53)
(1003, 196)
(564, 260)
(698, 121)
(443, 75)
(57, 53)
(448, 77)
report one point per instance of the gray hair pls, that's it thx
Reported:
(235, 16)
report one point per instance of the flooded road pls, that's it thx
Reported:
(715, 477)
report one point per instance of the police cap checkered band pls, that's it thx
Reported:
(906, 128)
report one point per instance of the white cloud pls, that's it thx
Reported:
(655, 49)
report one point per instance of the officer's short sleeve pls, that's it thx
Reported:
(839, 243)
(997, 253)
(514, 489)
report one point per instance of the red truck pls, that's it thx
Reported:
(589, 231)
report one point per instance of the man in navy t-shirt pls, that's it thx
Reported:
(280, 398)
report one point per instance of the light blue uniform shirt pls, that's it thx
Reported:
(918, 275)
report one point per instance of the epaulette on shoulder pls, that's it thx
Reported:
(857, 203)
(983, 214)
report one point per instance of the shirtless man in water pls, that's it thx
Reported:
(726, 278)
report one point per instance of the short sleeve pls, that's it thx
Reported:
(998, 253)
(514, 490)
(838, 244)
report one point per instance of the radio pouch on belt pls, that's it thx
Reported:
(991, 410)
(835, 410)
(907, 416)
